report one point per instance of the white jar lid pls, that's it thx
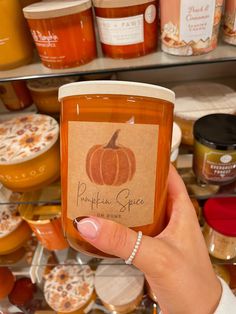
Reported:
(118, 284)
(116, 88)
(26, 137)
(46, 10)
(195, 100)
(118, 3)
(176, 137)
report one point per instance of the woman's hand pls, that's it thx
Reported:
(176, 262)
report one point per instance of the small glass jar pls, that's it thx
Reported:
(197, 99)
(214, 158)
(7, 282)
(29, 155)
(45, 222)
(220, 227)
(127, 29)
(189, 27)
(45, 93)
(15, 42)
(69, 288)
(119, 128)
(15, 95)
(63, 32)
(119, 287)
(229, 28)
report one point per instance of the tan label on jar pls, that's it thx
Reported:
(112, 171)
(219, 166)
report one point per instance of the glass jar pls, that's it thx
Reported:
(214, 158)
(220, 227)
(229, 28)
(121, 121)
(15, 95)
(7, 282)
(15, 42)
(127, 29)
(126, 291)
(189, 27)
(63, 32)
(197, 99)
(29, 155)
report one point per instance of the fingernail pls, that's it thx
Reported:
(87, 227)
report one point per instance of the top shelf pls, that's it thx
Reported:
(159, 59)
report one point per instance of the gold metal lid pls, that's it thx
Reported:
(119, 4)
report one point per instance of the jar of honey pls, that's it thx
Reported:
(63, 32)
(190, 27)
(45, 222)
(15, 95)
(110, 131)
(15, 42)
(229, 28)
(127, 29)
(29, 155)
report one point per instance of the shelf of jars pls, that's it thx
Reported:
(101, 65)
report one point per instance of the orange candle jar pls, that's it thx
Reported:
(104, 123)
(15, 95)
(45, 93)
(29, 155)
(15, 43)
(127, 29)
(229, 34)
(7, 282)
(14, 232)
(63, 32)
(45, 221)
(190, 27)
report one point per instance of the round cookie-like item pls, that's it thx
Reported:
(69, 287)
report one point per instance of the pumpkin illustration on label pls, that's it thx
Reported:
(110, 164)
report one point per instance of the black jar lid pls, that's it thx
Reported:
(217, 131)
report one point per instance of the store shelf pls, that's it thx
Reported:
(156, 60)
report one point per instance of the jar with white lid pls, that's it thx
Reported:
(197, 99)
(63, 32)
(127, 29)
(229, 27)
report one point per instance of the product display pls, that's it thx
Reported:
(16, 46)
(214, 158)
(63, 32)
(115, 139)
(15, 95)
(29, 155)
(45, 221)
(8, 279)
(197, 99)
(229, 32)
(220, 227)
(45, 93)
(189, 27)
(69, 288)
(127, 29)
(126, 291)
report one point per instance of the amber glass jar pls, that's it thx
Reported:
(7, 282)
(15, 42)
(127, 29)
(117, 127)
(63, 32)
(214, 159)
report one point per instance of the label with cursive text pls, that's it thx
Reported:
(112, 171)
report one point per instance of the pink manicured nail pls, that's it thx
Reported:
(87, 227)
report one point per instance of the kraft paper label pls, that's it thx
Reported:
(112, 171)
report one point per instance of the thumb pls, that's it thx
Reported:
(115, 239)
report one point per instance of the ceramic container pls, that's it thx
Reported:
(214, 158)
(63, 32)
(126, 291)
(118, 128)
(220, 227)
(197, 99)
(127, 29)
(29, 155)
(189, 27)
(229, 28)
